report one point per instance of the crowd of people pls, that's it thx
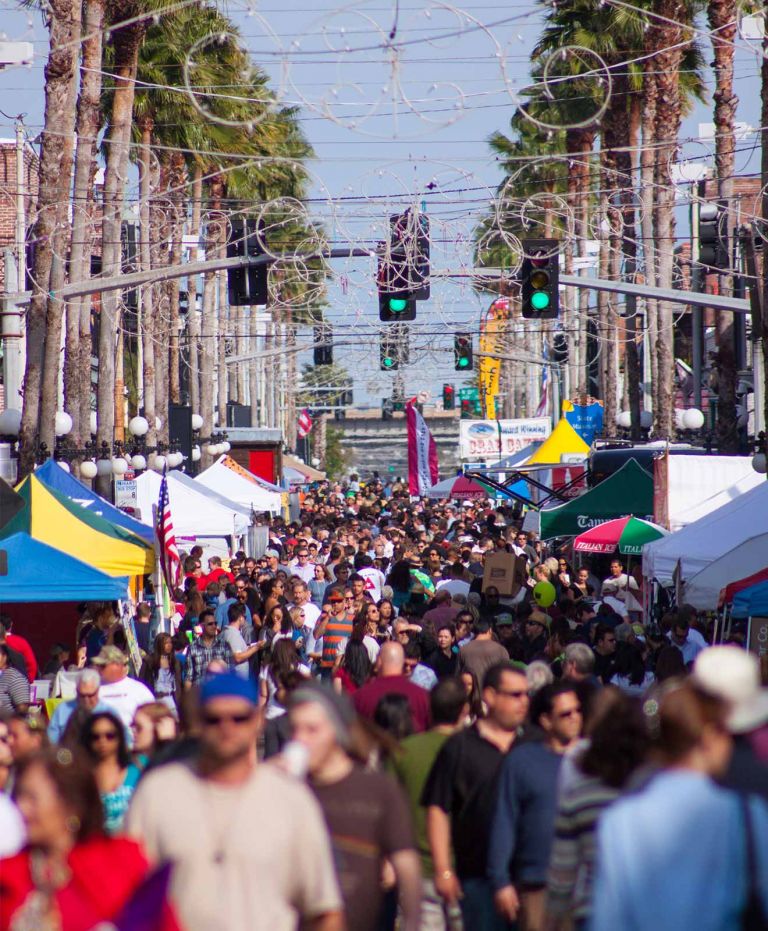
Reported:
(363, 728)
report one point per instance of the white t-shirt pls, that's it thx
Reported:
(454, 586)
(125, 697)
(12, 832)
(370, 644)
(253, 857)
(374, 581)
(272, 708)
(311, 613)
(306, 572)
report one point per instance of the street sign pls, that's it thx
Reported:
(126, 494)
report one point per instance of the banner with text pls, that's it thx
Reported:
(494, 439)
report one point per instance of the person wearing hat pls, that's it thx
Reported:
(335, 627)
(366, 812)
(733, 674)
(248, 845)
(123, 694)
(535, 636)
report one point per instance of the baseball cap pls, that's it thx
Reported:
(272, 553)
(110, 654)
(228, 685)
(733, 674)
(504, 620)
(335, 596)
(539, 617)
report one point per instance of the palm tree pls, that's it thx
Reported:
(722, 24)
(63, 19)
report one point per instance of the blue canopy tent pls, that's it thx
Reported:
(31, 571)
(53, 476)
(752, 601)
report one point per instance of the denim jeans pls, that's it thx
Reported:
(478, 909)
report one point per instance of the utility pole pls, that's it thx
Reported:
(763, 283)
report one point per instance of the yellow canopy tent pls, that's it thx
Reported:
(54, 519)
(562, 441)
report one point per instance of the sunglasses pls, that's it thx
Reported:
(564, 715)
(109, 736)
(214, 720)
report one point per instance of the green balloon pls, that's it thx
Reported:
(544, 594)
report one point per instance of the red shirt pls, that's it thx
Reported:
(216, 575)
(105, 871)
(367, 698)
(15, 642)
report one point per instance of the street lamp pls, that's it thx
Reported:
(10, 422)
(138, 426)
(62, 424)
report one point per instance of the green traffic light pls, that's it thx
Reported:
(540, 300)
(463, 362)
(388, 363)
(398, 304)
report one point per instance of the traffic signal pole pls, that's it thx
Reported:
(155, 275)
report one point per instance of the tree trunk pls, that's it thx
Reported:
(160, 214)
(668, 37)
(148, 328)
(722, 23)
(647, 178)
(77, 373)
(127, 41)
(59, 123)
(193, 315)
(215, 231)
(178, 180)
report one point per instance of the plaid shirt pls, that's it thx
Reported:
(201, 655)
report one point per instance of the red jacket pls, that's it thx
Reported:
(106, 872)
(15, 642)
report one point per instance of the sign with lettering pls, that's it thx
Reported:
(494, 439)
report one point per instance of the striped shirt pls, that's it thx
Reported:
(336, 630)
(572, 862)
(14, 689)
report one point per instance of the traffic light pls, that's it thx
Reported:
(323, 348)
(246, 285)
(466, 409)
(559, 348)
(462, 352)
(449, 398)
(403, 270)
(389, 353)
(539, 275)
(387, 408)
(713, 235)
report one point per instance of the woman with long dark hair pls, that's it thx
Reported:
(70, 875)
(355, 667)
(103, 739)
(282, 664)
(617, 746)
(399, 580)
(272, 594)
(161, 671)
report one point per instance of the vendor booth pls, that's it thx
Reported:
(627, 492)
(56, 520)
(230, 479)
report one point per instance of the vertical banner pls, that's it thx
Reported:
(422, 453)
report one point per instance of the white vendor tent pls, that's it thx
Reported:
(692, 480)
(195, 513)
(741, 523)
(228, 478)
(213, 495)
(703, 590)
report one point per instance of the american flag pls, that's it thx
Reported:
(169, 554)
(543, 408)
(304, 424)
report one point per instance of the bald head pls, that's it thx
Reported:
(391, 659)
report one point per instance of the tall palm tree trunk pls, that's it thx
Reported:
(77, 373)
(722, 23)
(668, 36)
(127, 41)
(148, 333)
(647, 181)
(63, 22)
(177, 179)
(193, 316)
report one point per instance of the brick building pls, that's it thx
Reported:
(9, 194)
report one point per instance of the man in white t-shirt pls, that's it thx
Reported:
(373, 577)
(233, 634)
(256, 854)
(118, 690)
(456, 584)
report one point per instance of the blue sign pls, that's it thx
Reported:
(586, 420)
